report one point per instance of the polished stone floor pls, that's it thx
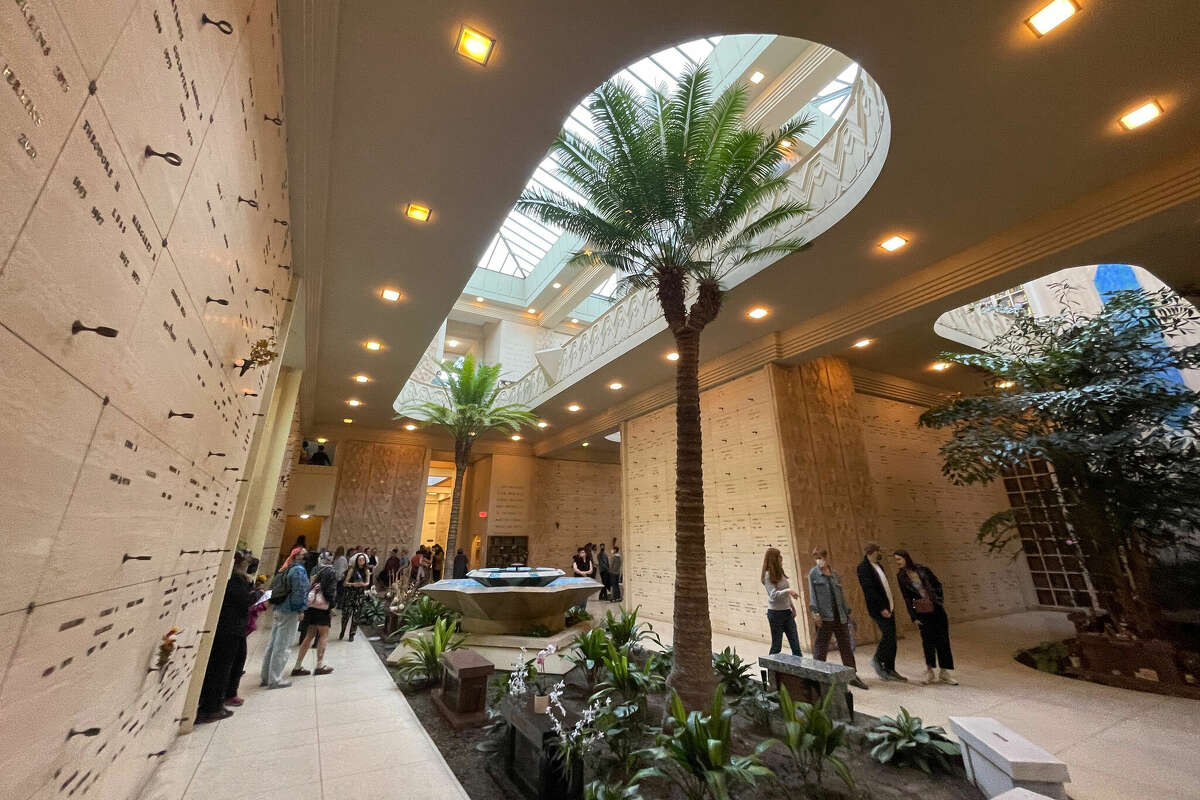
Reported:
(1118, 744)
(349, 734)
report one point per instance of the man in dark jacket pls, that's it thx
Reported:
(229, 639)
(878, 594)
(460, 564)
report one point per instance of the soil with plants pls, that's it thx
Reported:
(638, 743)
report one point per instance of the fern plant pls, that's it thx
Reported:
(732, 671)
(904, 741)
(625, 630)
(813, 738)
(424, 663)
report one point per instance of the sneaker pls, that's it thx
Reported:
(929, 677)
(234, 701)
(896, 676)
(323, 670)
(879, 670)
(298, 671)
(947, 678)
(280, 685)
(857, 682)
(215, 716)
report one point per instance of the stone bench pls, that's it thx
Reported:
(807, 680)
(998, 760)
(1021, 794)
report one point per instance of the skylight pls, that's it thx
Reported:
(832, 98)
(523, 241)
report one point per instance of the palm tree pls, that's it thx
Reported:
(676, 191)
(470, 411)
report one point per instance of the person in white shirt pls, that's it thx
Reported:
(878, 594)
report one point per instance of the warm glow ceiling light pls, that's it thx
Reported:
(861, 343)
(785, 144)
(574, 407)
(756, 77)
(305, 516)
(672, 356)
(347, 420)
(452, 343)
(893, 243)
(475, 45)
(532, 311)
(585, 444)
(516, 437)
(758, 312)
(391, 295)
(543, 424)
(1146, 112)
(373, 345)
(556, 285)
(1053, 14)
(940, 366)
(616, 386)
(478, 299)
(418, 212)
(321, 440)
(410, 427)
(361, 379)
(574, 321)
(354, 403)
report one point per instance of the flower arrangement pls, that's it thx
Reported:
(261, 354)
(165, 648)
(525, 676)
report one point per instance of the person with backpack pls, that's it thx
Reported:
(322, 594)
(289, 596)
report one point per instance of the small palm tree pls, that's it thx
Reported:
(470, 411)
(676, 193)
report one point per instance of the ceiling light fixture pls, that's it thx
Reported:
(391, 295)
(616, 386)
(410, 427)
(758, 312)
(785, 144)
(532, 311)
(474, 45)
(543, 424)
(361, 379)
(347, 420)
(893, 243)
(321, 440)
(861, 343)
(556, 285)
(452, 343)
(574, 407)
(585, 444)
(516, 437)
(305, 516)
(372, 345)
(574, 321)
(940, 366)
(1146, 112)
(1053, 14)
(756, 77)
(478, 299)
(354, 403)
(672, 356)
(418, 212)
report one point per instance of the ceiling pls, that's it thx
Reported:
(1005, 163)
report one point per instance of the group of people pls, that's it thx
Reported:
(920, 591)
(597, 564)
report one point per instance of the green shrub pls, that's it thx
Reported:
(425, 660)
(599, 790)
(372, 611)
(813, 738)
(695, 752)
(424, 612)
(625, 680)
(733, 672)
(576, 615)
(588, 649)
(902, 740)
(625, 630)
(758, 705)
(662, 661)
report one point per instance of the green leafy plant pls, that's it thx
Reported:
(813, 738)
(470, 410)
(758, 705)
(732, 671)
(599, 790)
(424, 663)
(694, 751)
(576, 615)
(424, 612)
(372, 610)
(625, 630)
(622, 695)
(1046, 657)
(661, 661)
(625, 680)
(588, 649)
(904, 741)
(1098, 396)
(677, 190)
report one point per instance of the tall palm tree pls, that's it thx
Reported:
(469, 412)
(676, 191)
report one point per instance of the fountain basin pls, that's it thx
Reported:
(511, 607)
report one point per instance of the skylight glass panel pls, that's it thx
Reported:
(609, 287)
(832, 99)
(522, 242)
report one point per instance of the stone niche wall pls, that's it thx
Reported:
(124, 450)
(380, 495)
(936, 521)
(576, 502)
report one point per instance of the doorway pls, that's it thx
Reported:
(439, 491)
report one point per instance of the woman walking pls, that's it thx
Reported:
(781, 611)
(922, 593)
(358, 578)
(827, 602)
(321, 597)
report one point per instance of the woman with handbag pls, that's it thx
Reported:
(922, 592)
(321, 597)
(781, 610)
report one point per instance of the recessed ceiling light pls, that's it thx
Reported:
(418, 212)
(758, 312)
(372, 345)
(347, 420)
(672, 356)
(452, 343)
(305, 516)
(543, 424)
(785, 144)
(361, 379)
(391, 295)
(516, 437)
(410, 427)
(585, 444)
(1006, 384)
(574, 321)
(940, 366)
(321, 440)
(475, 45)
(478, 299)
(574, 407)
(532, 311)
(1051, 16)
(893, 243)
(1146, 112)
(556, 285)
(861, 343)
(756, 77)
(354, 403)
(616, 386)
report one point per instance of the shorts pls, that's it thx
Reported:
(317, 616)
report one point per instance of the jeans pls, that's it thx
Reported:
(783, 623)
(283, 628)
(935, 638)
(885, 652)
(827, 628)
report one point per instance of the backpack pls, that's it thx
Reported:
(280, 587)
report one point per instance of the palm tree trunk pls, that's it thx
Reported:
(462, 453)
(692, 674)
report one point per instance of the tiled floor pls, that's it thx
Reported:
(1118, 744)
(350, 734)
